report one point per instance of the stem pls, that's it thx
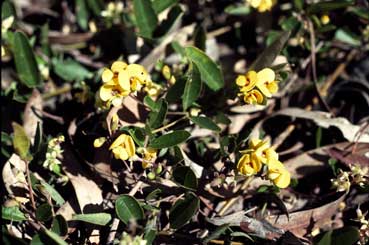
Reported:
(169, 125)
(30, 186)
(58, 91)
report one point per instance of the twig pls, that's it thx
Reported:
(169, 125)
(31, 197)
(58, 91)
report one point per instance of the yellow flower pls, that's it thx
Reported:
(249, 164)
(112, 74)
(246, 82)
(149, 155)
(262, 5)
(99, 142)
(266, 82)
(123, 147)
(278, 174)
(325, 19)
(166, 72)
(111, 92)
(263, 151)
(253, 97)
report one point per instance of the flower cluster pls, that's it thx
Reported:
(123, 147)
(54, 151)
(262, 5)
(121, 80)
(345, 179)
(255, 87)
(259, 153)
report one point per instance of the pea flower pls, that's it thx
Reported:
(152, 89)
(249, 165)
(149, 156)
(262, 5)
(253, 97)
(262, 150)
(167, 74)
(266, 82)
(123, 147)
(278, 174)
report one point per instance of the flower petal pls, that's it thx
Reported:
(124, 80)
(106, 92)
(118, 141)
(118, 66)
(137, 71)
(129, 146)
(107, 75)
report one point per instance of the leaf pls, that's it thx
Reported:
(199, 37)
(21, 141)
(153, 195)
(217, 233)
(210, 72)
(93, 218)
(170, 22)
(146, 18)
(150, 231)
(266, 58)
(347, 37)
(53, 193)
(82, 14)
(55, 237)
(44, 212)
(183, 210)
(25, 62)
(70, 70)
(156, 119)
(7, 10)
(128, 208)
(196, 168)
(12, 213)
(138, 135)
(151, 104)
(59, 225)
(160, 5)
(185, 177)
(328, 6)
(192, 88)
(96, 6)
(205, 122)
(175, 92)
(237, 10)
(342, 236)
(171, 139)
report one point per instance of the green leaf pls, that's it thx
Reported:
(96, 6)
(82, 14)
(128, 208)
(12, 213)
(138, 135)
(151, 103)
(169, 140)
(167, 25)
(55, 237)
(266, 58)
(328, 6)
(193, 87)
(25, 62)
(156, 119)
(237, 9)
(153, 195)
(205, 122)
(210, 72)
(7, 10)
(342, 236)
(175, 92)
(183, 210)
(145, 16)
(44, 212)
(53, 193)
(150, 231)
(361, 12)
(199, 37)
(184, 176)
(59, 225)
(217, 233)
(95, 218)
(70, 70)
(347, 37)
(21, 141)
(160, 5)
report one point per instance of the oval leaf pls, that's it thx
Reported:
(54, 194)
(266, 58)
(183, 210)
(96, 218)
(171, 139)
(185, 177)
(192, 88)
(210, 72)
(205, 122)
(12, 213)
(156, 118)
(21, 141)
(25, 62)
(59, 225)
(128, 208)
(44, 212)
(146, 18)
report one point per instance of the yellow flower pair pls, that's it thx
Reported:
(259, 153)
(123, 147)
(121, 80)
(255, 86)
(262, 5)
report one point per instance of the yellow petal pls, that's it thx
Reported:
(129, 146)
(124, 80)
(283, 180)
(254, 3)
(118, 141)
(270, 155)
(241, 80)
(264, 77)
(117, 101)
(107, 75)
(106, 92)
(138, 71)
(166, 72)
(253, 142)
(99, 142)
(118, 66)
(272, 87)
(120, 153)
